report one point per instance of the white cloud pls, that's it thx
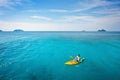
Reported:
(49, 10)
(104, 19)
(41, 18)
(10, 3)
(68, 23)
(86, 5)
(33, 10)
(113, 11)
(89, 4)
(77, 18)
(108, 20)
(57, 10)
(10, 26)
(93, 23)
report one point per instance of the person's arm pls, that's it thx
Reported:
(76, 58)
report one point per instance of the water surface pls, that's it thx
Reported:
(41, 55)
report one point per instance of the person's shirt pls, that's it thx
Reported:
(77, 58)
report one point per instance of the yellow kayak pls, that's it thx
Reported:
(74, 62)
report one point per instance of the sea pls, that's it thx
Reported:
(42, 55)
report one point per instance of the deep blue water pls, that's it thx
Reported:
(41, 55)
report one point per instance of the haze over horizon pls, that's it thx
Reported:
(60, 15)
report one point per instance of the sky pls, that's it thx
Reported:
(60, 15)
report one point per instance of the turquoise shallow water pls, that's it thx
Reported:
(41, 55)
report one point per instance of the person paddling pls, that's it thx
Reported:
(77, 58)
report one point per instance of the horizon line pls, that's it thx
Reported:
(62, 31)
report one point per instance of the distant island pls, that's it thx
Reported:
(101, 30)
(18, 30)
(1, 31)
